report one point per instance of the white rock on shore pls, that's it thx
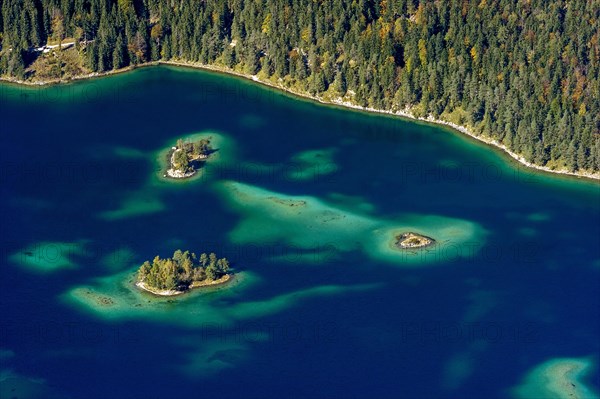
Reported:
(143, 286)
(177, 174)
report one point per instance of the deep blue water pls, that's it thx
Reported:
(460, 327)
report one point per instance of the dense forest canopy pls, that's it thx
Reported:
(182, 270)
(525, 72)
(188, 153)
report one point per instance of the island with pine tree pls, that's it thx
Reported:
(182, 273)
(187, 157)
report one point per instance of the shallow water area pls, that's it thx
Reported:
(48, 257)
(117, 297)
(306, 222)
(558, 378)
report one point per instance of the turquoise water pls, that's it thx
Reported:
(305, 200)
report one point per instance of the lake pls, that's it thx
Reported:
(305, 200)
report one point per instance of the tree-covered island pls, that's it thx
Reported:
(182, 272)
(187, 157)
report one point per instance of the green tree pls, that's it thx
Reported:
(211, 272)
(180, 160)
(223, 266)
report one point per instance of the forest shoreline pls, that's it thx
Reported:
(406, 113)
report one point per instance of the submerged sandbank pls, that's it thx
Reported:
(48, 256)
(135, 204)
(309, 225)
(116, 297)
(312, 164)
(561, 378)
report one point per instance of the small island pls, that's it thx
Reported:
(181, 273)
(410, 240)
(187, 157)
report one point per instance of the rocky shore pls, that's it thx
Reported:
(411, 240)
(206, 283)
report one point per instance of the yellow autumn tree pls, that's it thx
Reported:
(423, 52)
(266, 25)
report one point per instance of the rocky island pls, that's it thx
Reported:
(411, 240)
(181, 273)
(187, 157)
